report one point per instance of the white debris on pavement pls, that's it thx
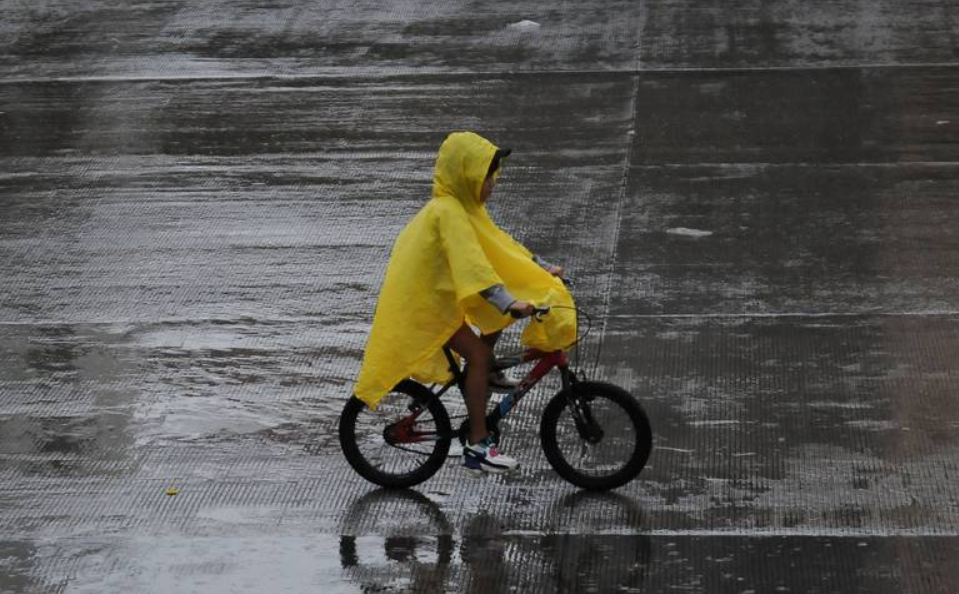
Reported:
(525, 26)
(688, 232)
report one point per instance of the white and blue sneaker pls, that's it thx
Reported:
(485, 457)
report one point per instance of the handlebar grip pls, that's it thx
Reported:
(537, 313)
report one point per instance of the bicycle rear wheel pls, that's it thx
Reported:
(401, 443)
(597, 437)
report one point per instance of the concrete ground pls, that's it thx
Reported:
(757, 199)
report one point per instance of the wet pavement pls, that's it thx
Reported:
(757, 201)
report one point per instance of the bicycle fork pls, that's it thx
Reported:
(579, 409)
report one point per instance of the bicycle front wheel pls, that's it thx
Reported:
(401, 443)
(597, 436)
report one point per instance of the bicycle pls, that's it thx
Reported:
(595, 435)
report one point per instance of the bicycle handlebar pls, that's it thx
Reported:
(538, 313)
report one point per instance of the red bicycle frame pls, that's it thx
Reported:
(404, 430)
(547, 361)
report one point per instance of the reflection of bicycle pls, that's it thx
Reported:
(595, 435)
(389, 535)
(399, 540)
(409, 523)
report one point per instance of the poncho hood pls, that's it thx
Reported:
(461, 167)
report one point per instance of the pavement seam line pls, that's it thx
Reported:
(617, 229)
(465, 73)
(825, 314)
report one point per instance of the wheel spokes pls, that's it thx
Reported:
(395, 441)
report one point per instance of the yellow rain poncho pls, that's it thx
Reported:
(449, 252)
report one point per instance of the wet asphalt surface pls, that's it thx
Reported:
(757, 200)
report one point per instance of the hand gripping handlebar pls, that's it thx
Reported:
(538, 313)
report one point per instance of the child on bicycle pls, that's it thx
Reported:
(452, 269)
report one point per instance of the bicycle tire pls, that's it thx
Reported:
(628, 422)
(362, 438)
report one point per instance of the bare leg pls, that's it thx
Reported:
(479, 357)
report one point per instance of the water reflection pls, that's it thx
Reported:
(402, 541)
(71, 402)
(394, 541)
(16, 566)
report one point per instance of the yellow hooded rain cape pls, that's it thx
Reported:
(449, 252)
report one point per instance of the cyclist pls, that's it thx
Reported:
(452, 269)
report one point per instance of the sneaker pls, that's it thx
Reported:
(485, 457)
(498, 382)
(456, 449)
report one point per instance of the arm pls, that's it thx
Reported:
(501, 299)
(550, 268)
(498, 297)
